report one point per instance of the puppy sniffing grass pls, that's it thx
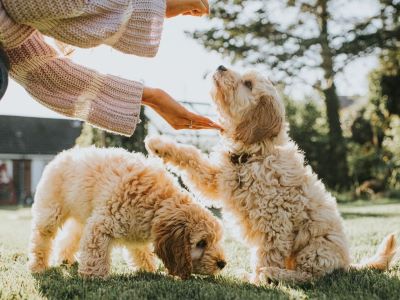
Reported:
(111, 197)
(285, 212)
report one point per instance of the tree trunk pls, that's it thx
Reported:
(338, 163)
(338, 153)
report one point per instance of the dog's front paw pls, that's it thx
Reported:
(64, 258)
(266, 275)
(159, 146)
(243, 275)
(37, 266)
(91, 273)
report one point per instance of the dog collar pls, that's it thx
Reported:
(241, 158)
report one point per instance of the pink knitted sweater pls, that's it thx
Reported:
(108, 102)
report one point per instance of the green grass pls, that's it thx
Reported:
(366, 225)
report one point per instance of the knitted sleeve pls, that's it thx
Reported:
(104, 101)
(131, 26)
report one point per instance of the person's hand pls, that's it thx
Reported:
(174, 113)
(187, 7)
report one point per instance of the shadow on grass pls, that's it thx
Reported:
(355, 284)
(355, 215)
(65, 283)
(369, 202)
(11, 207)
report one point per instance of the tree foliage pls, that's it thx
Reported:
(308, 128)
(375, 140)
(100, 138)
(293, 36)
(290, 35)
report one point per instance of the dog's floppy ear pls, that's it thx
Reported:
(172, 245)
(261, 122)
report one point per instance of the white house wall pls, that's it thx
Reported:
(38, 163)
(9, 169)
(7, 156)
(37, 168)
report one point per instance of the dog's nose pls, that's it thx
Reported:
(222, 68)
(221, 264)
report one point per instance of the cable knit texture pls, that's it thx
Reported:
(108, 102)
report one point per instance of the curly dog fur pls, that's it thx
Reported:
(110, 197)
(285, 212)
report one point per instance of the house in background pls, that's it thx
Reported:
(26, 145)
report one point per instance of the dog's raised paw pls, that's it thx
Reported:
(157, 146)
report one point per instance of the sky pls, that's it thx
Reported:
(179, 68)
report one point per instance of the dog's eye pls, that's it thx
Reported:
(202, 244)
(248, 84)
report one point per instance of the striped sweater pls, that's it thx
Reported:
(105, 101)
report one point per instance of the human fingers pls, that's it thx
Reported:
(192, 127)
(206, 6)
(194, 13)
(202, 121)
(200, 8)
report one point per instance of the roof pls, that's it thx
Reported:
(347, 101)
(27, 135)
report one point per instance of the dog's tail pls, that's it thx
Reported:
(383, 257)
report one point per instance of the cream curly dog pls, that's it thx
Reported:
(113, 197)
(284, 210)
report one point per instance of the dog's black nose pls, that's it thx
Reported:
(222, 68)
(221, 264)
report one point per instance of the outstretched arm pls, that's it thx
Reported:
(201, 174)
(105, 101)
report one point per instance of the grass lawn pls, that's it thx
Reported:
(366, 226)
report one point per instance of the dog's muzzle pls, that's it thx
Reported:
(221, 264)
(221, 68)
